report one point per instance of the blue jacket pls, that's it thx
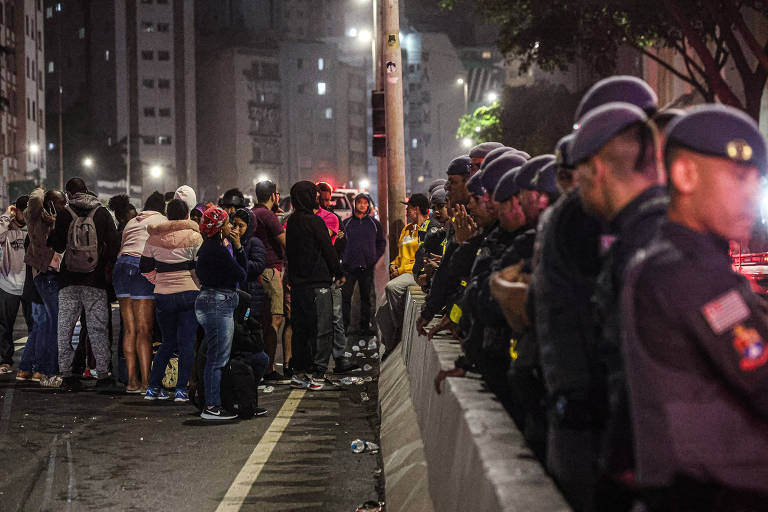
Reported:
(366, 241)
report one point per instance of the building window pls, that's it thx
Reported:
(147, 2)
(58, 6)
(165, 112)
(148, 83)
(163, 27)
(147, 55)
(321, 88)
(300, 89)
(49, 12)
(106, 55)
(164, 140)
(163, 84)
(163, 55)
(149, 141)
(299, 63)
(29, 110)
(486, 55)
(51, 146)
(329, 113)
(34, 111)
(149, 111)
(50, 66)
(162, 1)
(27, 67)
(414, 143)
(320, 64)
(147, 26)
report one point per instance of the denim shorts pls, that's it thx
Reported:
(128, 281)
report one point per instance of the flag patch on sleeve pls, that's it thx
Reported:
(725, 311)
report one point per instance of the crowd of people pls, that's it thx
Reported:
(592, 290)
(210, 282)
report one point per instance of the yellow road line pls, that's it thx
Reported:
(241, 487)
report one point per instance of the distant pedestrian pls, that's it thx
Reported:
(366, 244)
(219, 274)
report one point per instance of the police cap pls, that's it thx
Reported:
(475, 185)
(563, 151)
(522, 153)
(546, 179)
(438, 197)
(460, 166)
(625, 88)
(435, 185)
(529, 170)
(493, 155)
(721, 131)
(482, 149)
(600, 125)
(496, 169)
(507, 186)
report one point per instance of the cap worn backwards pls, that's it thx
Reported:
(460, 166)
(507, 186)
(528, 171)
(624, 88)
(720, 131)
(601, 125)
(418, 200)
(493, 172)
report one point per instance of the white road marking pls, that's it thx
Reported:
(71, 490)
(240, 488)
(49, 476)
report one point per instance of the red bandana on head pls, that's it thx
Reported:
(212, 221)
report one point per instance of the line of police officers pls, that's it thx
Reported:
(593, 291)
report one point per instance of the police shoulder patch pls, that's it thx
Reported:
(750, 346)
(725, 311)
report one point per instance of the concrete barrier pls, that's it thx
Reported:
(474, 457)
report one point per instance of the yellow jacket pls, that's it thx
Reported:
(407, 246)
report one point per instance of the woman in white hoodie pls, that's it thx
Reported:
(136, 295)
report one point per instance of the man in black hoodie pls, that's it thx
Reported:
(313, 265)
(81, 288)
(366, 243)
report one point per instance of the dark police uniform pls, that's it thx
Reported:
(695, 348)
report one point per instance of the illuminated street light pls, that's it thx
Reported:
(87, 162)
(459, 81)
(467, 142)
(477, 129)
(34, 148)
(364, 36)
(364, 183)
(492, 96)
(352, 32)
(263, 177)
(155, 171)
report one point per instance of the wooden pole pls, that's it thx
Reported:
(393, 104)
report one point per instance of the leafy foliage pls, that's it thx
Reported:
(483, 125)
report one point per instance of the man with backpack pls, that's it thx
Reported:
(85, 232)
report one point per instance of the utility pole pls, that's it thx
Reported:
(393, 105)
(379, 72)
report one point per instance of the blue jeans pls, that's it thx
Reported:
(42, 343)
(176, 317)
(214, 309)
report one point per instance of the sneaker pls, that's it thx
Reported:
(317, 383)
(276, 378)
(37, 377)
(343, 367)
(53, 381)
(71, 384)
(300, 382)
(156, 394)
(259, 411)
(89, 374)
(217, 413)
(108, 385)
(181, 395)
(23, 375)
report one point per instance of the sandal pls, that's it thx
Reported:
(5, 368)
(24, 375)
(136, 391)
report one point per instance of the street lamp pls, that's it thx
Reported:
(492, 96)
(88, 162)
(34, 148)
(352, 32)
(467, 142)
(364, 36)
(461, 82)
(155, 171)
(364, 183)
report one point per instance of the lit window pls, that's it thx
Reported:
(163, 55)
(163, 84)
(486, 55)
(329, 113)
(81, 33)
(164, 140)
(149, 111)
(147, 26)
(49, 12)
(58, 6)
(321, 88)
(106, 55)
(414, 143)
(320, 64)
(50, 66)
(165, 112)
(51, 146)
(147, 55)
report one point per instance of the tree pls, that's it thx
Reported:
(706, 34)
(483, 125)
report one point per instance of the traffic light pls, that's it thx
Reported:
(379, 145)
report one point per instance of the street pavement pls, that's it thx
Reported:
(87, 451)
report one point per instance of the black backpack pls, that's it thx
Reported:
(238, 388)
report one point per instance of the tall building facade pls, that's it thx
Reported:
(124, 75)
(22, 92)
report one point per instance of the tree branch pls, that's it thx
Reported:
(758, 51)
(739, 59)
(690, 79)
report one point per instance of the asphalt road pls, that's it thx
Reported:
(87, 451)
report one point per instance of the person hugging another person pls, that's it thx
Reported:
(219, 273)
(168, 261)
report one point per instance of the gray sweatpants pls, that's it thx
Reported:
(72, 301)
(389, 316)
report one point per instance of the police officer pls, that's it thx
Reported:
(619, 182)
(695, 334)
(478, 153)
